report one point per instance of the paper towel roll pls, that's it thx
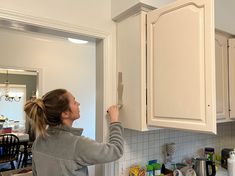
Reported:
(231, 164)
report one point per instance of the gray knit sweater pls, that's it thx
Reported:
(64, 152)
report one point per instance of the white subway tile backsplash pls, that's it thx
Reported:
(139, 147)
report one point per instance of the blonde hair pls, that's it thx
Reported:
(47, 110)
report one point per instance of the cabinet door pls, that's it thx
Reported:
(181, 66)
(221, 62)
(232, 77)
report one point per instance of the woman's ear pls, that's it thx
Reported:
(65, 115)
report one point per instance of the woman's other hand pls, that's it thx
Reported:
(113, 112)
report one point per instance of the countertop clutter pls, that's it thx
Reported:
(209, 164)
(137, 170)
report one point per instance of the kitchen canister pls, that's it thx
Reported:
(231, 163)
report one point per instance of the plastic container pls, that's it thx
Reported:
(16, 125)
(231, 164)
(149, 170)
(157, 169)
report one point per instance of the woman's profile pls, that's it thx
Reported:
(59, 149)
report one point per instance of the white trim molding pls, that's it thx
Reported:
(51, 24)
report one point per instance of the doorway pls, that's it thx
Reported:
(97, 105)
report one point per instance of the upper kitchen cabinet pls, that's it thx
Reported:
(225, 80)
(221, 62)
(232, 77)
(181, 66)
(167, 67)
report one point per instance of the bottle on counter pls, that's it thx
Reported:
(231, 163)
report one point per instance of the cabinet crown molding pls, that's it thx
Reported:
(133, 10)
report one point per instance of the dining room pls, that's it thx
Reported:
(17, 86)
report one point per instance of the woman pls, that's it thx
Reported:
(60, 149)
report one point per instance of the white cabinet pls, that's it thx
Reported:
(170, 81)
(232, 77)
(131, 62)
(221, 58)
(225, 79)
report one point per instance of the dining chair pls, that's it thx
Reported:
(25, 155)
(9, 149)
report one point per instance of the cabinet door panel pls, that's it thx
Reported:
(181, 66)
(232, 77)
(221, 58)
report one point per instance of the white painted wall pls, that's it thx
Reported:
(224, 15)
(119, 6)
(63, 64)
(88, 13)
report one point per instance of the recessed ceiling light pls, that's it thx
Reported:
(77, 41)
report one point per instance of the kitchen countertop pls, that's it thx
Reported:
(221, 172)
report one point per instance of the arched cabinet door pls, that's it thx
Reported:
(181, 66)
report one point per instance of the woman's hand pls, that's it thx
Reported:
(113, 112)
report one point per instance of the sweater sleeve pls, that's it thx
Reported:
(89, 152)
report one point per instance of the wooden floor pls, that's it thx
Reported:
(27, 171)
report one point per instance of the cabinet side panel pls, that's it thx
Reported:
(131, 62)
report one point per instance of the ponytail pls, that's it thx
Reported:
(47, 110)
(35, 112)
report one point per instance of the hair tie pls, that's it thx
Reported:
(39, 102)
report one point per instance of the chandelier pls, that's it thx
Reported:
(9, 96)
